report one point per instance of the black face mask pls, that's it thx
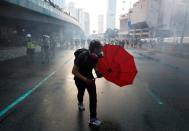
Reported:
(97, 55)
(100, 54)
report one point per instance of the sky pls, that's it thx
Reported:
(97, 7)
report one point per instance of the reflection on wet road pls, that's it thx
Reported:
(43, 97)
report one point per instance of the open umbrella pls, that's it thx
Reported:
(117, 65)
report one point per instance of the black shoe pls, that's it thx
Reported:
(95, 122)
(81, 107)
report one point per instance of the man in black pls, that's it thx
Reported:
(84, 79)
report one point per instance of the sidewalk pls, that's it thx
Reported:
(174, 56)
(8, 53)
(11, 53)
(176, 50)
(18, 76)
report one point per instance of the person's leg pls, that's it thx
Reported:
(81, 91)
(93, 106)
(92, 101)
(42, 56)
(48, 56)
(27, 57)
(32, 55)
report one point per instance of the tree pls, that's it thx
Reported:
(111, 33)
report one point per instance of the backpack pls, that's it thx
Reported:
(79, 51)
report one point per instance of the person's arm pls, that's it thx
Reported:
(78, 62)
(98, 74)
(75, 72)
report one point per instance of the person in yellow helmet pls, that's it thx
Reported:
(30, 49)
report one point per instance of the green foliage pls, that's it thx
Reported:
(111, 33)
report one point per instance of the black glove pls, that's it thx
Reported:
(98, 74)
(90, 82)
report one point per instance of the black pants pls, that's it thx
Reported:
(81, 86)
(30, 55)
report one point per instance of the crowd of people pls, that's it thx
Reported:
(131, 43)
(47, 48)
(48, 45)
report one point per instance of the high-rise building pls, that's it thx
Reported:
(84, 20)
(124, 19)
(174, 20)
(60, 3)
(111, 14)
(100, 24)
(72, 10)
(86, 23)
(142, 19)
(81, 17)
(157, 18)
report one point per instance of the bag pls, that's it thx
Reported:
(79, 51)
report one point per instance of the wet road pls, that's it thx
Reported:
(43, 97)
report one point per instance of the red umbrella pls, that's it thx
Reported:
(117, 65)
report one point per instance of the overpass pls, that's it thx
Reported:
(36, 17)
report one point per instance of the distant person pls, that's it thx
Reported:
(127, 42)
(45, 47)
(88, 41)
(30, 49)
(135, 43)
(122, 43)
(132, 43)
(53, 47)
(83, 43)
(84, 63)
(140, 44)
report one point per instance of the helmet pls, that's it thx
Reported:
(28, 35)
(94, 44)
(46, 36)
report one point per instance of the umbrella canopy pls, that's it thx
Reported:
(117, 65)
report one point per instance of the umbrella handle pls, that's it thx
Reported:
(108, 71)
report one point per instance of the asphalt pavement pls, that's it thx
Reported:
(42, 97)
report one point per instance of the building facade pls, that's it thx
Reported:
(81, 16)
(86, 23)
(157, 18)
(111, 14)
(100, 24)
(144, 18)
(72, 10)
(124, 28)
